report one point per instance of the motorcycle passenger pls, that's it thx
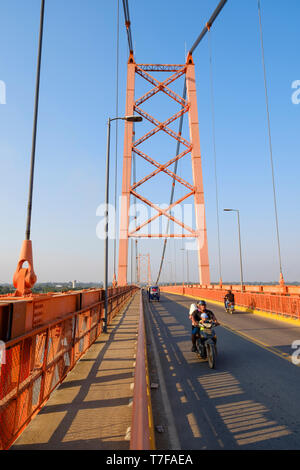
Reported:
(204, 318)
(195, 317)
(229, 298)
(193, 308)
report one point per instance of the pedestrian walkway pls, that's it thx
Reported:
(92, 408)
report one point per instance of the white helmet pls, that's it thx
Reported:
(204, 316)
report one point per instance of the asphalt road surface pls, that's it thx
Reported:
(249, 401)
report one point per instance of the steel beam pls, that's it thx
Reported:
(203, 263)
(126, 182)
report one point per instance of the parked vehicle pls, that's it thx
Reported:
(206, 344)
(154, 293)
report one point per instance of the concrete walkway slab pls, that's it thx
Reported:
(92, 408)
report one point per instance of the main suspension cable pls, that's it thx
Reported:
(208, 25)
(128, 25)
(35, 119)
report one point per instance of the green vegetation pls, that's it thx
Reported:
(45, 287)
(6, 289)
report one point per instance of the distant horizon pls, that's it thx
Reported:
(295, 283)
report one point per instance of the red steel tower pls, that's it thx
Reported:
(192, 147)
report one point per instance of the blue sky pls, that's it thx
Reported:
(78, 94)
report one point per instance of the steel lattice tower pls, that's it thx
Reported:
(191, 147)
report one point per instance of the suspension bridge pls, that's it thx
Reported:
(105, 368)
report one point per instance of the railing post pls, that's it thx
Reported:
(73, 342)
(44, 368)
(18, 385)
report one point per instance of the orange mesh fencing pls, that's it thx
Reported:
(38, 361)
(286, 305)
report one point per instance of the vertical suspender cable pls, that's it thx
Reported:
(270, 138)
(117, 114)
(214, 149)
(34, 132)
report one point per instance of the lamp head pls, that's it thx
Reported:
(133, 118)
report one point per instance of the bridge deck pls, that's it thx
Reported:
(92, 408)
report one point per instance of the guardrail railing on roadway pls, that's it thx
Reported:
(39, 360)
(142, 432)
(286, 305)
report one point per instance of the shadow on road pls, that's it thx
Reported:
(213, 409)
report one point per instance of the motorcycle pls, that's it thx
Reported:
(229, 307)
(154, 293)
(206, 344)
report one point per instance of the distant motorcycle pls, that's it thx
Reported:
(154, 293)
(229, 307)
(206, 344)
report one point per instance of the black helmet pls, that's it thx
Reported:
(202, 302)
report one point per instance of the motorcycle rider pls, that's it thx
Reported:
(195, 315)
(229, 298)
(201, 305)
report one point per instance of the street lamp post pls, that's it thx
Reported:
(240, 245)
(130, 119)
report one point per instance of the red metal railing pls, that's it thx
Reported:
(38, 361)
(286, 305)
(142, 435)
